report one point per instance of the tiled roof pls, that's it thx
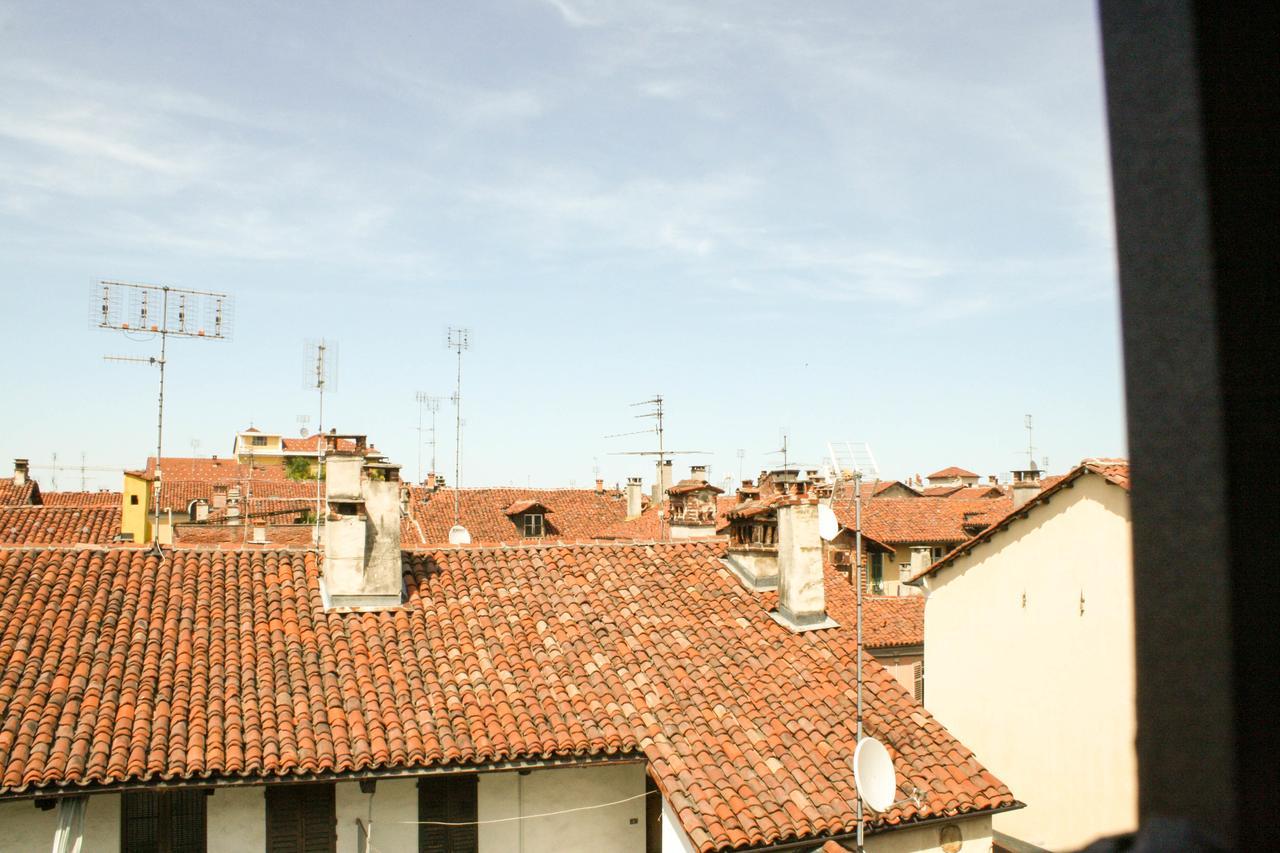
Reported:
(976, 492)
(686, 486)
(1114, 471)
(311, 444)
(238, 535)
(648, 527)
(906, 521)
(523, 506)
(575, 514)
(81, 498)
(178, 494)
(941, 491)
(58, 525)
(952, 471)
(25, 495)
(117, 666)
(191, 469)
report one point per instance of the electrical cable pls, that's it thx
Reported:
(528, 816)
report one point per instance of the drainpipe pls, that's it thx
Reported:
(68, 836)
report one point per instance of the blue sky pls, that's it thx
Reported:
(852, 221)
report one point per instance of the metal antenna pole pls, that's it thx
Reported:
(320, 348)
(54, 476)
(421, 397)
(159, 481)
(857, 569)
(742, 453)
(82, 468)
(458, 340)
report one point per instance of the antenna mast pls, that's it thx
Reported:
(458, 340)
(432, 405)
(182, 313)
(1031, 448)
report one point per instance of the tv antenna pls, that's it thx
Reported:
(742, 454)
(1031, 448)
(158, 309)
(782, 450)
(459, 340)
(431, 404)
(657, 412)
(82, 468)
(320, 371)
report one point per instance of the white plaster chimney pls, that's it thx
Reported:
(662, 481)
(1023, 491)
(21, 472)
(362, 568)
(698, 472)
(802, 594)
(202, 510)
(634, 490)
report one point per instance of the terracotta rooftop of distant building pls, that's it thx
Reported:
(81, 498)
(952, 471)
(940, 491)
(906, 521)
(648, 526)
(235, 672)
(976, 492)
(177, 495)
(686, 486)
(213, 469)
(572, 514)
(311, 444)
(1114, 471)
(58, 525)
(13, 495)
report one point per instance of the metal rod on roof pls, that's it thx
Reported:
(857, 569)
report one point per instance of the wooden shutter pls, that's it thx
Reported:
(163, 821)
(919, 674)
(449, 799)
(301, 819)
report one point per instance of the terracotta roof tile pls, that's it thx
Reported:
(119, 666)
(951, 471)
(59, 525)
(81, 498)
(574, 514)
(903, 521)
(13, 495)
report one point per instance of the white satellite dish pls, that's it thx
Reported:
(828, 524)
(458, 535)
(874, 775)
(302, 431)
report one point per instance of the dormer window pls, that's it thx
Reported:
(534, 524)
(258, 440)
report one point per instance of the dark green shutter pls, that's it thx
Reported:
(163, 821)
(449, 799)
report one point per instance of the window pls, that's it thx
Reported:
(163, 822)
(919, 674)
(875, 574)
(301, 818)
(258, 441)
(534, 524)
(937, 553)
(133, 500)
(447, 799)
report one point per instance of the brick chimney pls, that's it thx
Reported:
(362, 568)
(21, 472)
(599, 486)
(802, 601)
(634, 490)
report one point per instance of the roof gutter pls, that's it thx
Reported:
(73, 790)
(815, 843)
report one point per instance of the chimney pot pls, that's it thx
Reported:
(21, 472)
(698, 472)
(599, 486)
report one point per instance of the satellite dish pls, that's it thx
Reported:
(874, 775)
(303, 432)
(458, 535)
(828, 524)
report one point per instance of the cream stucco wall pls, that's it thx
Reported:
(975, 837)
(394, 809)
(605, 830)
(1039, 684)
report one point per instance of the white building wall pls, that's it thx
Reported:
(1043, 691)
(394, 809)
(615, 829)
(236, 819)
(25, 828)
(674, 839)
